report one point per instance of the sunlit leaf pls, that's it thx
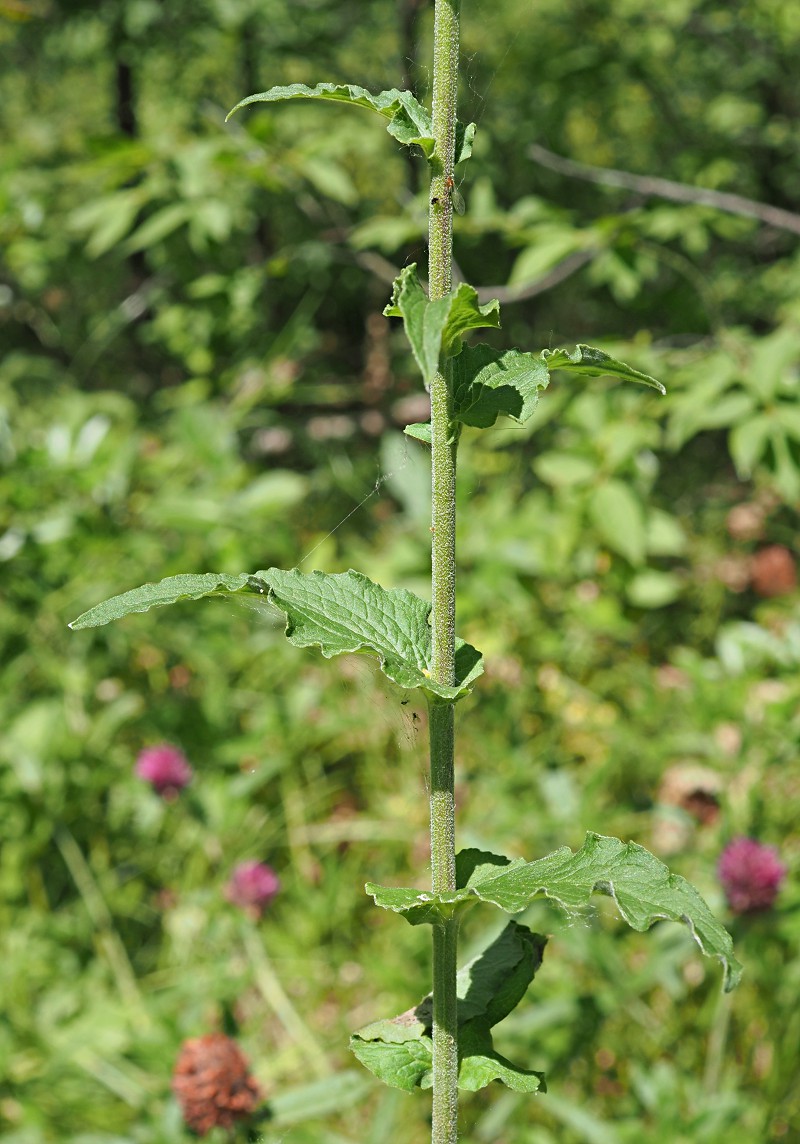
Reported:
(409, 121)
(435, 329)
(597, 363)
(643, 888)
(339, 613)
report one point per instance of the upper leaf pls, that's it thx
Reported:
(643, 888)
(398, 1050)
(435, 329)
(487, 383)
(343, 612)
(409, 121)
(597, 363)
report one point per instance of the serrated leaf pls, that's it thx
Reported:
(488, 383)
(597, 363)
(435, 329)
(643, 888)
(399, 1050)
(409, 122)
(339, 613)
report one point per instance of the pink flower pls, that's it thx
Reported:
(252, 886)
(751, 875)
(165, 768)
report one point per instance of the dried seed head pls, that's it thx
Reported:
(212, 1083)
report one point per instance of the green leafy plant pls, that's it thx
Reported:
(445, 1043)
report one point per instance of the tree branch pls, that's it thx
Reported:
(666, 189)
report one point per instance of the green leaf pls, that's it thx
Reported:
(339, 613)
(406, 1065)
(488, 383)
(619, 518)
(654, 589)
(168, 591)
(748, 442)
(435, 329)
(597, 363)
(665, 534)
(418, 907)
(730, 410)
(788, 417)
(409, 122)
(492, 985)
(420, 432)
(643, 888)
(108, 219)
(480, 1064)
(564, 469)
(157, 226)
(398, 1050)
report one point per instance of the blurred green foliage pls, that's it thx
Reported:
(195, 375)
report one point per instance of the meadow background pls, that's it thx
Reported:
(195, 375)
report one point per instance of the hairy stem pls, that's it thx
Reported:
(443, 572)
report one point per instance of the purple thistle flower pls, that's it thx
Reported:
(165, 768)
(750, 874)
(252, 886)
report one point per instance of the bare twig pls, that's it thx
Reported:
(666, 189)
(563, 270)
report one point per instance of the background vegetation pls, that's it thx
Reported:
(195, 375)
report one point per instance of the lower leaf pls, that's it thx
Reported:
(399, 1050)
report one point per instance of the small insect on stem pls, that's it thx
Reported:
(453, 194)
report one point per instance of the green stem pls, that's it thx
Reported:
(445, 937)
(443, 582)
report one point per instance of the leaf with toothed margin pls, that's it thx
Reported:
(597, 363)
(643, 888)
(489, 383)
(339, 613)
(409, 122)
(435, 329)
(398, 1050)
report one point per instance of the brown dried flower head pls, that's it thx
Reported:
(212, 1083)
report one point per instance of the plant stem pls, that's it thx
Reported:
(445, 937)
(443, 576)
